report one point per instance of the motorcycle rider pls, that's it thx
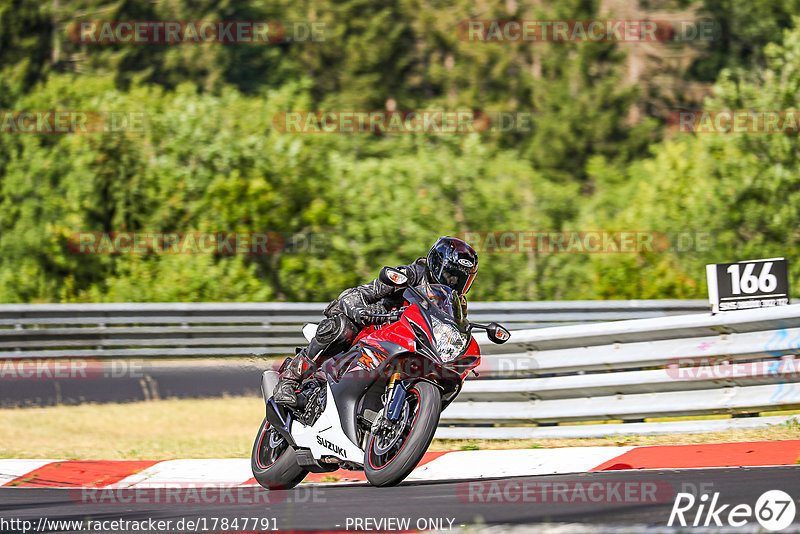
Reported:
(450, 261)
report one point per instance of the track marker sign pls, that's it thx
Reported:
(748, 284)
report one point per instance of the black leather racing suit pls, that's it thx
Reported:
(377, 297)
(347, 315)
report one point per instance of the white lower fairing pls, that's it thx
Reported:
(326, 437)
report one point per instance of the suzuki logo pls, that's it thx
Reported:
(332, 446)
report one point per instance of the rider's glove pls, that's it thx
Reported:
(384, 317)
(365, 315)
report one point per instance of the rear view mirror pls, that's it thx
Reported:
(393, 277)
(497, 334)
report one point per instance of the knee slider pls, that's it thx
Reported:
(327, 330)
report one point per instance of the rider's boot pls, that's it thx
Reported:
(293, 371)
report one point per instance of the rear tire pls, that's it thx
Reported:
(391, 468)
(273, 461)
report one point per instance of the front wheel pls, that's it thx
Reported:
(395, 449)
(273, 461)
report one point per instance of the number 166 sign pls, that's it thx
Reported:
(748, 284)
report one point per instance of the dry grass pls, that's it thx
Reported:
(225, 428)
(770, 433)
(774, 433)
(166, 429)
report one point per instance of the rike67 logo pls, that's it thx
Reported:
(774, 510)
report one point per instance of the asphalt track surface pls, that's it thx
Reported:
(142, 381)
(338, 508)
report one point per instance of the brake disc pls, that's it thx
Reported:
(275, 439)
(390, 433)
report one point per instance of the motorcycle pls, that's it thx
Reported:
(375, 407)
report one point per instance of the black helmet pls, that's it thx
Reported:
(453, 263)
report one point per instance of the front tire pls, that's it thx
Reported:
(389, 467)
(273, 461)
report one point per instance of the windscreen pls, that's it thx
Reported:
(441, 296)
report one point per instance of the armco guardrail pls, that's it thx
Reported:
(631, 367)
(182, 330)
(740, 363)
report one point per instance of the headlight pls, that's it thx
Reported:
(449, 341)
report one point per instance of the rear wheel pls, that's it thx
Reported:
(395, 449)
(273, 461)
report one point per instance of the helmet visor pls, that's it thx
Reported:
(456, 277)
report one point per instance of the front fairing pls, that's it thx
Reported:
(439, 306)
(413, 334)
(358, 377)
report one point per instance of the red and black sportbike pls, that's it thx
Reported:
(376, 406)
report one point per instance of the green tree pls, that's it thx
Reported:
(741, 189)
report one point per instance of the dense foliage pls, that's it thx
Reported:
(210, 158)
